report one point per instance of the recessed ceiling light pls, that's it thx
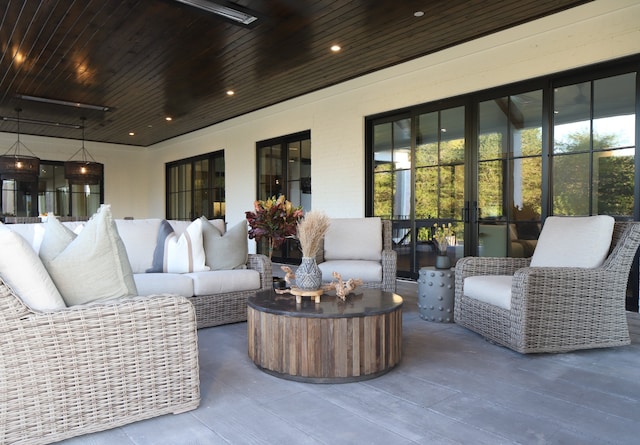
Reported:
(168, 118)
(230, 92)
(335, 48)
(418, 13)
(131, 133)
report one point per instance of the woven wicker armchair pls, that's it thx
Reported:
(94, 367)
(387, 260)
(554, 309)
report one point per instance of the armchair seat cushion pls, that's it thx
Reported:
(367, 271)
(492, 289)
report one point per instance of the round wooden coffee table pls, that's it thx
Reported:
(333, 341)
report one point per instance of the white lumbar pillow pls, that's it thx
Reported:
(179, 254)
(90, 266)
(574, 241)
(24, 273)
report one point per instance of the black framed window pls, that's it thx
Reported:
(563, 144)
(196, 187)
(594, 129)
(284, 168)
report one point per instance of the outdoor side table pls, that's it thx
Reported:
(436, 290)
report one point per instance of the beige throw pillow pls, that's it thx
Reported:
(228, 250)
(90, 266)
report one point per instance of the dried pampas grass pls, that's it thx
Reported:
(311, 230)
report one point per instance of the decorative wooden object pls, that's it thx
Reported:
(299, 293)
(342, 288)
(289, 276)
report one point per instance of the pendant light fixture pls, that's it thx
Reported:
(17, 166)
(85, 170)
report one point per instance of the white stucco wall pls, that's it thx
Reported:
(135, 177)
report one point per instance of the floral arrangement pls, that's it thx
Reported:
(443, 235)
(311, 230)
(274, 219)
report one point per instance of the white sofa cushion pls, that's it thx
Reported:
(164, 283)
(492, 289)
(32, 233)
(574, 241)
(224, 251)
(179, 254)
(93, 265)
(354, 239)
(222, 281)
(23, 271)
(139, 237)
(367, 271)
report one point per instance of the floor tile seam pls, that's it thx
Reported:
(590, 388)
(558, 424)
(370, 421)
(586, 407)
(286, 420)
(599, 440)
(622, 397)
(470, 425)
(203, 423)
(254, 436)
(456, 392)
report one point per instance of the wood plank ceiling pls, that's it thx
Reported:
(148, 59)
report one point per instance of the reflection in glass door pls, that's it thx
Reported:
(509, 181)
(392, 157)
(439, 191)
(594, 147)
(419, 182)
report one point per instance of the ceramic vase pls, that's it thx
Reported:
(308, 275)
(443, 262)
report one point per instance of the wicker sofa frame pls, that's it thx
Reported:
(94, 367)
(214, 309)
(231, 307)
(554, 309)
(389, 261)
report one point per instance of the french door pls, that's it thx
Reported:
(419, 165)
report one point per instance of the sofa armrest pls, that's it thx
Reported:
(262, 264)
(95, 366)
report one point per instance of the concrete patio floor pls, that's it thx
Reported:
(451, 387)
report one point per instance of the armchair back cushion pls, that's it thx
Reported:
(575, 241)
(353, 239)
